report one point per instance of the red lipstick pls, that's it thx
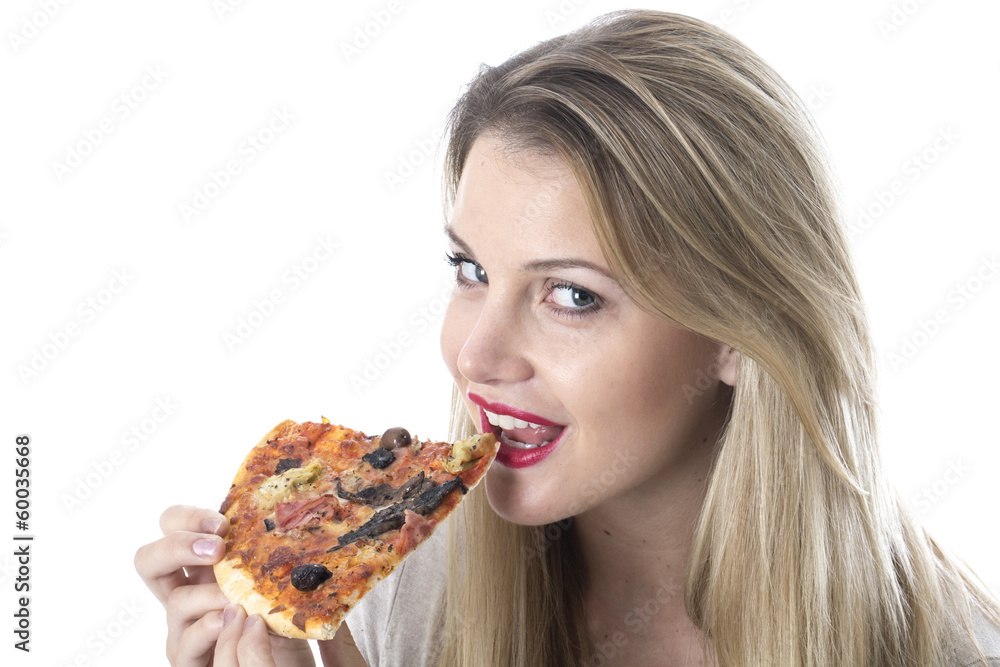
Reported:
(501, 409)
(515, 457)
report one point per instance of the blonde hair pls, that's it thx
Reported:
(710, 197)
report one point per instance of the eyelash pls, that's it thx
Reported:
(457, 260)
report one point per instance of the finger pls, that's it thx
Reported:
(288, 651)
(232, 629)
(161, 563)
(193, 519)
(187, 604)
(341, 650)
(254, 648)
(194, 646)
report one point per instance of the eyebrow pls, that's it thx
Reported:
(539, 265)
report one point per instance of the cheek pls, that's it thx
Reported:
(455, 331)
(654, 383)
(680, 400)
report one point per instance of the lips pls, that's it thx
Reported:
(525, 438)
(517, 432)
(501, 409)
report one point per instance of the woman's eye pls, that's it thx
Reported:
(468, 271)
(569, 296)
(472, 272)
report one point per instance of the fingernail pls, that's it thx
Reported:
(251, 622)
(228, 614)
(212, 524)
(205, 548)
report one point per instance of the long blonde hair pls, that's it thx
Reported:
(710, 197)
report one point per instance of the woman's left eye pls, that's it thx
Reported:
(573, 298)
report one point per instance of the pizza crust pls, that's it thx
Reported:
(238, 587)
(275, 432)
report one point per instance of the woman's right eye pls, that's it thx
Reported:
(468, 272)
(472, 272)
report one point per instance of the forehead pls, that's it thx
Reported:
(526, 200)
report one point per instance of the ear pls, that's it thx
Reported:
(729, 365)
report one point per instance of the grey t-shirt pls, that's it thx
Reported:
(400, 623)
(962, 653)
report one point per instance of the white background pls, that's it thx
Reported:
(881, 96)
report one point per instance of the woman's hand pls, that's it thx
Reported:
(244, 641)
(177, 568)
(341, 651)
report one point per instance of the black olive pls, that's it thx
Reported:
(308, 577)
(380, 458)
(269, 524)
(396, 437)
(287, 464)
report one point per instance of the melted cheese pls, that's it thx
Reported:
(465, 453)
(277, 487)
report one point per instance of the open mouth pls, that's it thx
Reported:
(520, 433)
(525, 438)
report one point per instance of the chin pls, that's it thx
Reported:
(517, 507)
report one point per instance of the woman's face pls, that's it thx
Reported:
(620, 405)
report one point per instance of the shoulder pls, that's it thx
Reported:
(403, 616)
(962, 653)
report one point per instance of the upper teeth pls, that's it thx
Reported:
(507, 422)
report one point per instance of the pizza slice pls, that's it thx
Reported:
(320, 513)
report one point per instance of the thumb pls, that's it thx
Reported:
(254, 649)
(341, 651)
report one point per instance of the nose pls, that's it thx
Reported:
(495, 351)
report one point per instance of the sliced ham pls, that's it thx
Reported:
(415, 529)
(309, 511)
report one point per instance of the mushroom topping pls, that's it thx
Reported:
(394, 516)
(380, 458)
(383, 494)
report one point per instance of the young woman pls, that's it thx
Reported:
(657, 313)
